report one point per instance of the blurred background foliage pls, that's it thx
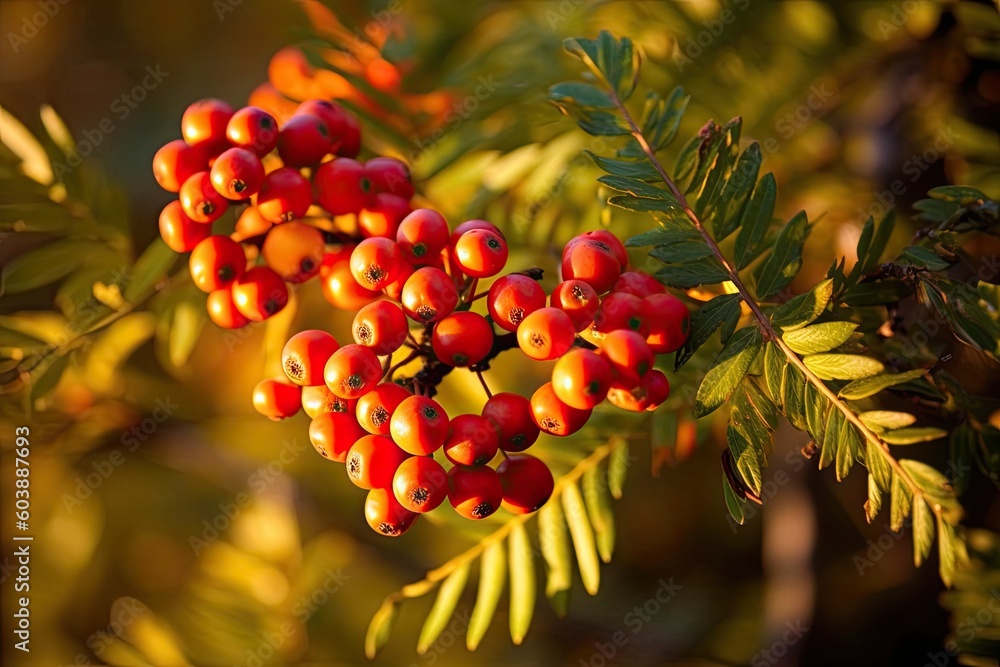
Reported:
(173, 525)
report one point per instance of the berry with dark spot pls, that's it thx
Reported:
(352, 371)
(374, 409)
(419, 425)
(512, 298)
(510, 416)
(475, 493)
(385, 515)
(553, 416)
(527, 483)
(420, 484)
(381, 326)
(305, 355)
(372, 461)
(471, 441)
(546, 334)
(334, 433)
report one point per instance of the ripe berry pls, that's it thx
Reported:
(629, 356)
(253, 129)
(332, 115)
(420, 484)
(216, 263)
(350, 141)
(462, 339)
(334, 433)
(319, 399)
(591, 261)
(646, 396)
(277, 398)
(422, 235)
(510, 416)
(610, 240)
(352, 371)
(481, 253)
(385, 515)
(250, 224)
(468, 226)
(376, 262)
(390, 175)
(237, 174)
(527, 483)
(176, 162)
(305, 355)
(382, 215)
(200, 200)
(428, 295)
(394, 290)
(374, 410)
(294, 250)
(578, 300)
(339, 286)
(669, 322)
(553, 416)
(260, 293)
(179, 232)
(285, 195)
(581, 378)
(303, 141)
(222, 311)
(381, 326)
(471, 441)
(372, 461)
(342, 186)
(620, 310)
(546, 334)
(512, 298)
(419, 425)
(638, 284)
(204, 122)
(475, 493)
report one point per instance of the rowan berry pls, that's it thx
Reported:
(372, 461)
(216, 263)
(303, 141)
(333, 116)
(669, 322)
(277, 398)
(546, 334)
(385, 515)
(204, 122)
(374, 409)
(222, 311)
(429, 295)
(294, 250)
(468, 226)
(350, 140)
(376, 262)
(591, 261)
(253, 129)
(334, 433)
(419, 425)
(475, 493)
(422, 235)
(581, 378)
(471, 441)
(527, 483)
(512, 298)
(620, 310)
(381, 326)
(463, 338)
(610, 240)
(510, 416)
(629, 356)
(339, 287)
(638, 284)
(394, 290)
(250, 224)
(260, 293)
(179, 232)
(481, 253)
(342, 186)
(382, 215)
(285, 195)
(319, 399)
(553, 416)
(305, 355)
(420, 484)
(389, 175)
(648, 395)
(200, 200)
(352, 371)
(578, 300)
(176, 161)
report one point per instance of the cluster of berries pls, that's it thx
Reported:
(285, 171)
(387, 432)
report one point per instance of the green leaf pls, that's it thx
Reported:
(774, 372)
(803, 309)
(881, 420)
(842, 366)
(870, 386)
(901, 499)
(930, 481)
(777, 271)
(947, 552)
(661, 118)
(583, 538)
(793, 398)
(924, 258)
(584, 94)
(522, 583)
(848, 449)
(611, 60)
(835, 421)
(730, 368)
(681, 252)
(492, 578)
(617, 469)
(923, 531)
(755, 221)
(634, 187)
(819, 337)
(733, 504)
(877, 465)
(667, 207)
(636, 169)
(379, 629)
(874, 503)
(593, 121)
(44, 266)
(816, 409)
(729, 212)
(747, 457)
(658, 237)
(881, 293)
(598, 501)
(686, 160)
(909, 436)
(705, 271)
(871, 245)
(721, 309)
(151, 267)
(958, 193)
(715, 180)
(553, 540)
(444, 606)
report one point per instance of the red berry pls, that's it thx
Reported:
(394, 290)
(419, 425)
(428, 295)
(512, 298)
(376, 262)
(277, 398)
(646, 396)
(237, 174)
(578, 300)
(471, 441)
(389, 175)
(332, 115)
(469, 225)
(260, 293)
(420, 484)
(591, 261)
(510, 416)
(581, 378)
(204, 122)
(629, 356)
(527, 483)
(610, 240)
(319, 399)
(305, 355)
(352, 371)
(342, 186)
(481, 253)
(385, 515)
(334, 433)
(339, 286)
(381, 326)
(176, 162)
(475, 493)
(669, 322)
(222, 311)
(620, 310)
(372, 461)
(179, 232)
(638, 284)
(374, 409)
(462, 339)
(216, 263)
(350, 141)
(546, 334)
(304, 140)
(253, 129)
(285, 195)
(422, 235)
(382, 214)
(294, 250)
(553, 416)
(200, 200)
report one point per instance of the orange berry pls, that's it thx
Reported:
(372, 461)
(419, 425)
(375, 409)
(385, 515)
(223, 312)
(352, 371)
(629, 356)
(512, 298)
(294, 250)
(578, 300)
(471, 441)
(462, 339)
(481, 253)
(334, 433)
(581, 378)
(305, 355)
(381, 326)
(260, 293)
(553, 416)
(546, 334)
(428, 295)
(277, 398)
(420, 484)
